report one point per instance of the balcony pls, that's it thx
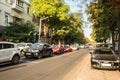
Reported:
(17, 7)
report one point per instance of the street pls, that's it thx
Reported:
(69, 66)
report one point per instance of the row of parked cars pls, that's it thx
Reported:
(12, 52)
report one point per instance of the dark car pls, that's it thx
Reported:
(39, 50)
(104, 58)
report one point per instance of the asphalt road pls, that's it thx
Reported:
(69, 66)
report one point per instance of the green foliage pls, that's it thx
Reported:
(102, 16)
(19, 31)
(50, 8)
(70, 31)
(66, 27)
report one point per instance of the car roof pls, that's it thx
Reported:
(7, 42)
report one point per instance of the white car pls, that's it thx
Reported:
(9, 51)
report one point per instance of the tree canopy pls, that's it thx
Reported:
(65, 26)
(102, 16)
(19, 31)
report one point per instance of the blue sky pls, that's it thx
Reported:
(80, 6)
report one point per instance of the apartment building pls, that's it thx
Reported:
(13, 10)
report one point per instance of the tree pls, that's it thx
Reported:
(55, 10)
(71, 31)
(19, 31)
(62, 24)
(102, 16)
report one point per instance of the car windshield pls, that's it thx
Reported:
(40, 46)
(103, 51)
(55, 47)
(21, 45)
(102, 45)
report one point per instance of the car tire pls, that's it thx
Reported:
(15, 59)
(51, 53)
(39, 55)
(26, 56)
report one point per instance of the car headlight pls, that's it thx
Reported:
(95, 60)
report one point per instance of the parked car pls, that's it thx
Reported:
(57, 49)
(23, 46)
(75, 47)
(39, 50)
(9, 51)
(104, 58)
(67, 48)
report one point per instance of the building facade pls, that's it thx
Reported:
(12, 11)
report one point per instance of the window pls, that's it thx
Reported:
(6, 18)
(27, 10)
(0, 46)
(8, 46)
(19, 3)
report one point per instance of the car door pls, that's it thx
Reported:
(45, 50)
(49, 48)
(2, 53)
(9, 50)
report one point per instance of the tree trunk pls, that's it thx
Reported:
(113, 40)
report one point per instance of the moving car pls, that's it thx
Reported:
(9, 51)
(104, 58)
(39, 50)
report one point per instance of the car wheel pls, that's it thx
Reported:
(39, 55)
(26, 56)
(15, 59)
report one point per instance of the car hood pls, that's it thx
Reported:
(104, 57)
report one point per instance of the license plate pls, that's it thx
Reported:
(104, 64)
(28, 53)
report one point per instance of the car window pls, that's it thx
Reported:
(1, 46)
(55, 46)
(37, 46)
(5, 46)
(21, 45)
(29, 45)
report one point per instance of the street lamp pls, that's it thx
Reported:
(39, 38)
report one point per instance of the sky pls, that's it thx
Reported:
(80, 6)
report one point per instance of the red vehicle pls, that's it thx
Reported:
(67, 48)
(57, 49)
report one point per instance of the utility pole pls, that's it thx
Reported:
(40, 27)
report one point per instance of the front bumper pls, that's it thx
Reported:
(103, 64)
(32, 53)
